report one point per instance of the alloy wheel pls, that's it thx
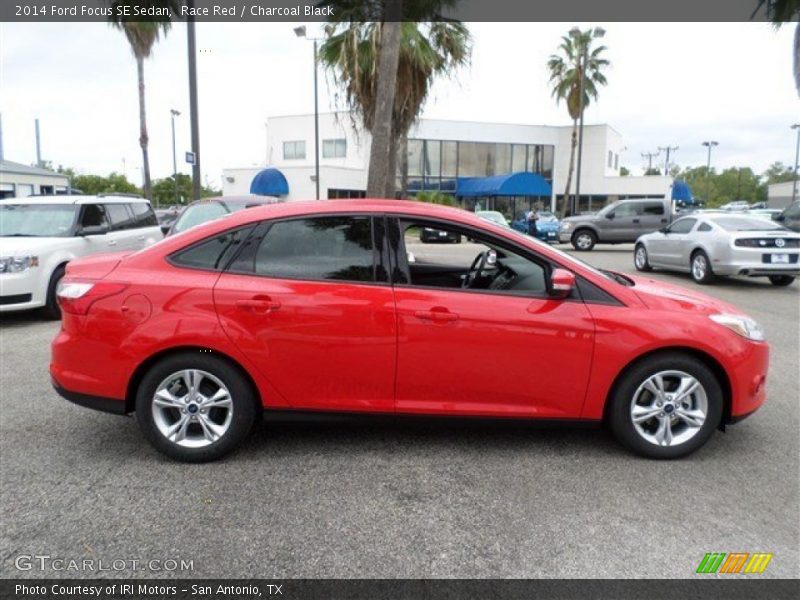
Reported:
(192, 408)
(640, 258)
(584, 241)
(669, 408)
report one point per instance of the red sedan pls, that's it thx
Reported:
(336, 306)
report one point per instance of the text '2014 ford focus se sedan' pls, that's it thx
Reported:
(316, 307)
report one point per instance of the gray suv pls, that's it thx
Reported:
(618, 223)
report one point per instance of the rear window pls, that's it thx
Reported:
(211, 254)
(144, 215)
(746, 224)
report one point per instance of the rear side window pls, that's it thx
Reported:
(653, 208)
(121, 217)
(682, 226)
(211, 254)
(143, 215)
(704, 227)
(321, 248)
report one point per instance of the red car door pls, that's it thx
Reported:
(308, 302)
(512, 351)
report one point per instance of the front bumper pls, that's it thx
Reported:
(549, 236)
(748, 380)
(18, 291)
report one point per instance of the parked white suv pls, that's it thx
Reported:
(39, 236)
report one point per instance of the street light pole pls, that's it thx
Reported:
(796, 160)
(174, 113)
(301, 33)
(710, 144)
(193, 109)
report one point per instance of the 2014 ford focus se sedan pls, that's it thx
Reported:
(317, 307)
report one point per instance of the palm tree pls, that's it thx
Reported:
(566, 70)
(354, 53)
(142, 34)
(780, 12)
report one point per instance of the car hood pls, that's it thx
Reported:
(658, 295)
(579, 218)
(23, 246)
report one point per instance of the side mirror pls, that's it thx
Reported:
(664, 230)
(165, 227)
(561, 283)
(491, 258)
(780, 217)
(93, 230)
(610, 215)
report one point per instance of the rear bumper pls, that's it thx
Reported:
(109, 405)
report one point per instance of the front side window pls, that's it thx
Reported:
(333, 148)
(682, 226)
(294, 150)
(478, 265)
(94, 215)
(626, 209)
(653, 208)
(320, 248)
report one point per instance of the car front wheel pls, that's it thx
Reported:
(584, 240)
(195, 407)
(667, 406)
(640, 259)
(781, 280)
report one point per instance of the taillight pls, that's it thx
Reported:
(77, 297)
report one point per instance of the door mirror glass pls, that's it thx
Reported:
(610, 215)
(93, 230)
(561, 283)
(165, 227)
(491, 257)
(664, 230)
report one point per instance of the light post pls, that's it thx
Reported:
(301, 33)
(577, 35)
(174, 113)
(796, 160)
(710, 144)
(193, 109)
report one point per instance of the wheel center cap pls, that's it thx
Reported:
(192, 408)
(668, 408)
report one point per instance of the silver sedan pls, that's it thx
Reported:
(706, 245)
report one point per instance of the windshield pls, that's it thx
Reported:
(606, 209)
(746, 224)
(200, 213)
(491, 215)
(36, 220)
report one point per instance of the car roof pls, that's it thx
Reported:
(238, 200)
(69, 199)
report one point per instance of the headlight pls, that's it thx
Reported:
(744, 326)
(17, 264)
(566, 226)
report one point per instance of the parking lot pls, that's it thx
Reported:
(420, 499)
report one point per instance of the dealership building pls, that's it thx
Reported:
(506, 167)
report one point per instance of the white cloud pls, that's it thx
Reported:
(670, 84)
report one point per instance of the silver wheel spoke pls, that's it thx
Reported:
(644, 413)
(693, 418)
(663, 434)
(191, 380)
(166, 399)
(177, 432)
(220, 399)
(686, 388)
(211, 431)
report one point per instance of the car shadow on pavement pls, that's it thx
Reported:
(22, 318)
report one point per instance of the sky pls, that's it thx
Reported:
(670, 84)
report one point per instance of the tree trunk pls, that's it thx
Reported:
(404, 166)
(143, 139)
(565, 205)
(380, 181)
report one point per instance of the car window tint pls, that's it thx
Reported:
(704, 227)
(430, 264)
(653, 208)
(682, 226)
(628, 209)
(121, 217)
(338, 248)
(199, 213)
(213, 253)
(93, 215)
(144, 215)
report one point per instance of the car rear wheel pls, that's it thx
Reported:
(195, 407)
(51, 309)
(667, 406)
(781, 280)
(640, 259)
(701, 268)
(584, 240)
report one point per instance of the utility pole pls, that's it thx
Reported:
(649, 156)
(38, 146)
(193, 110)
(709, 144)
(796, 160)
(667, 149)
(174, 113)
(301, 32)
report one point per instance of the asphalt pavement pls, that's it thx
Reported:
(332, 499)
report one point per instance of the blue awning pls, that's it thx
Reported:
(681, 192)
(269, 182)
(510, 184)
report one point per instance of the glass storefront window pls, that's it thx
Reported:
(519, 158)
(502, 159)
(432, 161)
(535, 159)
(415, 148)
(547, 162)
(449, 159)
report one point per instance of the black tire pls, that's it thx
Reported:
(619, 409)
(640, 259)
(51, 309)
(243, 400)
(701, 274)
(584, 240)
(781, 280)
(458, 239)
